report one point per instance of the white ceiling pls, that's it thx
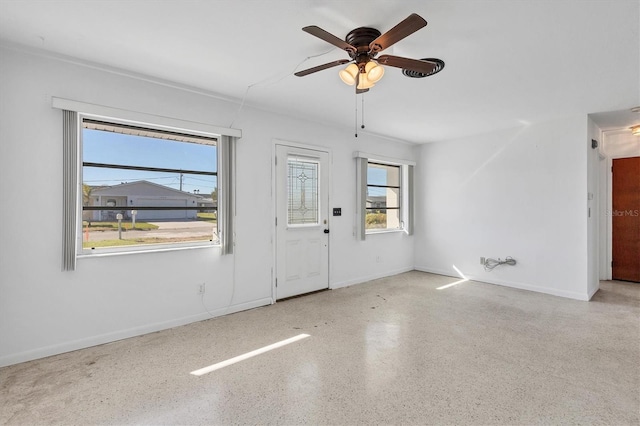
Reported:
(508, 62)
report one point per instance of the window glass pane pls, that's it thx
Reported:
(113, 148)
(378, 197)
(140, 188)
(381, 174)
(174, 226)
(302, 190)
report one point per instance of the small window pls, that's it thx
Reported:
(302, 192)
(144, 186)
(384, 198)
(383, 203)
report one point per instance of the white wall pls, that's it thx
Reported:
(621, 144)
(520, 192)
(45, 311)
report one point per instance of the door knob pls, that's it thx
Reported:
(326, 231)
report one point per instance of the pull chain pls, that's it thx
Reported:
(356, 123)
(362, 112)
(362, 126)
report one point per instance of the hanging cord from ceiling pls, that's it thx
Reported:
(490, 264)
(266, 82)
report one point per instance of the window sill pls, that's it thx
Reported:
(100, 253)
(385, 231)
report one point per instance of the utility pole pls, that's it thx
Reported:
(180, 181)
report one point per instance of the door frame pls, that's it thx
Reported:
(605, 245)
(274, 207)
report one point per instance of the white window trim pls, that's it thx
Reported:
(72, 238)
(140, 117)
(406, 196)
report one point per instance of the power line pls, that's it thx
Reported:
(122, 179)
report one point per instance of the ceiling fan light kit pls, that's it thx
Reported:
(363, 45)
(372, 74)
(373, 71)
(349, 74)
(364, 83)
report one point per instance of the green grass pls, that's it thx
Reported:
(108, 243)
(208, 217)
(113, 226)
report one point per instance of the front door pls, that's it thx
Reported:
(302, 214)
(626, 219)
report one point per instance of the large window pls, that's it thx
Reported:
(383, 208)
(144, 186)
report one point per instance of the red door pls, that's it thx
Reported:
(626, 219)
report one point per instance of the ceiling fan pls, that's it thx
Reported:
(363, 45)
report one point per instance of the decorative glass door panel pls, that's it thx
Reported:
(302, 192)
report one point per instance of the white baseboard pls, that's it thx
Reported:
(125, 334)
(513, 284)
(446, 273)
(361, 280)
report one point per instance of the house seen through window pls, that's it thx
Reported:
(145, 186)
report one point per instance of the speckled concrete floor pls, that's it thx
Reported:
(391, 351)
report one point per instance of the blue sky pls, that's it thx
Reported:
(115, 148)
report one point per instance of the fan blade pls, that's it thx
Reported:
(321, 67)
(329, 38)
(405, 28)
(416, 65)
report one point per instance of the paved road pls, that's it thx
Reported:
(178, 229)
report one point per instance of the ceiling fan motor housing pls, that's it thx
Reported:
(360, 38)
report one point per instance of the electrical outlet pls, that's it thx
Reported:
(482, 260)
(201, 288)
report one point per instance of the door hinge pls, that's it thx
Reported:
(276, 221)
(276, 160)
(276, 282)
(612, 263)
